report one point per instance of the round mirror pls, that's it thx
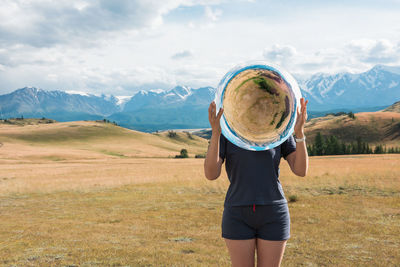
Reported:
(260, 102)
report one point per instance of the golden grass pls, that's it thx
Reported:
(393, 108)
(87, 175)
(90, 140)
(163, 212)
(114, 198)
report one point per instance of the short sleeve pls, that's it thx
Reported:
(288, 147)
(222, 147)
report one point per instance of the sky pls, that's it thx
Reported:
(120, 47)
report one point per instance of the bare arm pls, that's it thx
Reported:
(212, 162)
(298, 160)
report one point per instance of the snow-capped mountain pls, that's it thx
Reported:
(175, 107)
(152, 97)
(185, 107)
(34, 102)
(180, 107)
(178, 96)
(380, 86)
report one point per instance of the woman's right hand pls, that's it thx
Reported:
(214, 118)
(212, 162)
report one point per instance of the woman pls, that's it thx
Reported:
(256, 214)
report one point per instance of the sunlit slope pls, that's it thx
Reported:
(393, 108)
(91, 140)
(372, 127)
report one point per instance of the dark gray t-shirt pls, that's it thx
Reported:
(254, 175)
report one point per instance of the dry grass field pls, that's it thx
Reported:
(106, 196)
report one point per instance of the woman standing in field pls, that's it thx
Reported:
(256, 214)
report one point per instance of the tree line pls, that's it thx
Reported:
(331, 145)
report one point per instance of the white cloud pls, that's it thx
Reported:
(182, 54)
(52, 77)
(211, 14)
(354, 56)
(280, 54)
(43, 23)
(121, 46)
(375, 51)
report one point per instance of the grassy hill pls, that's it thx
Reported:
(375, 128)
(33, 139)
(393, 108)
(45, 139)
(372, 127)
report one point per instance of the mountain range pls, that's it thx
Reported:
(185, 107)
(375, 88)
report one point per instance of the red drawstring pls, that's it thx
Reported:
(254, 207)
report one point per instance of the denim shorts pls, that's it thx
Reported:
(268, 222)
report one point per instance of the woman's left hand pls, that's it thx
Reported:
(301, 119)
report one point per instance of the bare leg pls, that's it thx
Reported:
(242, 252)
(270, 253)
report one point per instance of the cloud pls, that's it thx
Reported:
(211, 14)
(380, 51)
(108, 79)
(182, 54)
(354, 56)
(124, 45)
(280, 54)
(283, 55)
(26, 55)
(44, 23)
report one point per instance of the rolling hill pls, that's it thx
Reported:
(393, 108)
(373, 127)
(90, 140)
(381, 127)
(45, 139)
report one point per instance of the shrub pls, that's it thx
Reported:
(184, 154)
(200, 155)
(293, 198)
(189, 135)
(172, 134)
